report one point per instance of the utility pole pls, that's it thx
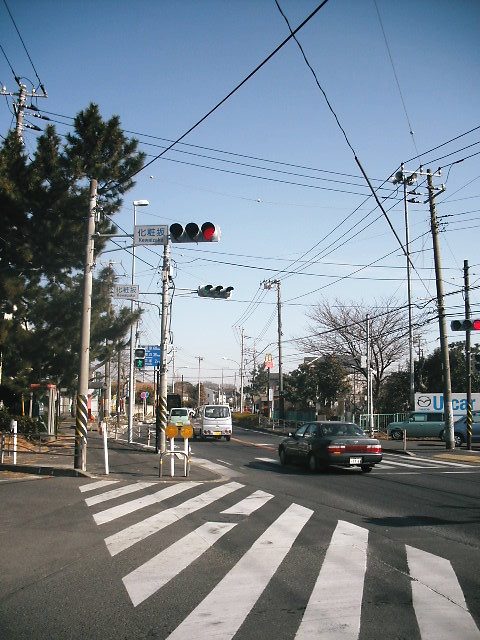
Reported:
(447, 388)
(242, 356)
(20, 106)
(468, 362)
(131, 380)
(119, 382)
(162, 412)
(369, 379)
(198, 398)
(408, 179)
(80, 456)
(281, 400)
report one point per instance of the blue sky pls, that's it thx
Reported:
(271, 167)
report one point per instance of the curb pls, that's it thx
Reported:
(67, 472)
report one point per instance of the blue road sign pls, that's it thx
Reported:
(152, 355)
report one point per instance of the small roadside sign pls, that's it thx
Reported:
(150, 234)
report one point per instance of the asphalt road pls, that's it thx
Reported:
(259, 551)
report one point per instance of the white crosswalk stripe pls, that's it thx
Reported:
(96, 485)
(131, 535)
(393, 462)
(334, 608)
(134, 505)
(118, 493)
(151, 576)
(438, 600)
(255, 569)
(332, 603)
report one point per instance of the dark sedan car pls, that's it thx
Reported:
(321, 444)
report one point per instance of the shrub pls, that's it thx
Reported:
(247, 420)
(25, 426)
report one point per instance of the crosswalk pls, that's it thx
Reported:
(135, 516)
(393, 463)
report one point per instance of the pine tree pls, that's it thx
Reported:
(44, 204)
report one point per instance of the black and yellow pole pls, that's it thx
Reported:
(80, 455)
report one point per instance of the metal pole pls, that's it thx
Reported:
(468, 361)
(80, 456)
(118, 405)
(281, 399)
(447, 389)
(131, 382)
(198, 398)
(163, 348)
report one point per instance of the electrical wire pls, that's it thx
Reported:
(229, 95)
(25, 48)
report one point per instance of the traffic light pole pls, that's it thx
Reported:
(468, 361)
(81, 421)
(162, 396)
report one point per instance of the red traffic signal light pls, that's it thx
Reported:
(208, 232)
(465, 325)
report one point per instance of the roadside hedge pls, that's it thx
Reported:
(25, 425)
(248, 420)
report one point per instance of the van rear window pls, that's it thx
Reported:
(217, 412)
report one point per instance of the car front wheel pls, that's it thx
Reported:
(312, 463)
(396, 434)
(283, 457)
(458, 439)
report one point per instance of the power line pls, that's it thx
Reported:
(231, 93)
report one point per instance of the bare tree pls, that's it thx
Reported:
(339, 328)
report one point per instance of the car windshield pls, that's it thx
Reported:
(217, 412)
(342, 430)
(179, 412)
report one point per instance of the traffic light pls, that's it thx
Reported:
(208, 232)
(209, 291)
(475, 362)
(140, 358)
(465, 325)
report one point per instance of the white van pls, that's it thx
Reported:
(179, 416)
(215, 421)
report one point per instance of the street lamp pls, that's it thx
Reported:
(241, 382)
(131, 382)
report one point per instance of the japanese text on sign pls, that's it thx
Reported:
(150, 234)
(126, 291)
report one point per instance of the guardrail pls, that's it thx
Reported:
(15, 448)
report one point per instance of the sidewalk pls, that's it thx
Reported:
(126, 461)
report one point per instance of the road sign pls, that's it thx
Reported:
(152, 355)
(126, 291)
(150, 234)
